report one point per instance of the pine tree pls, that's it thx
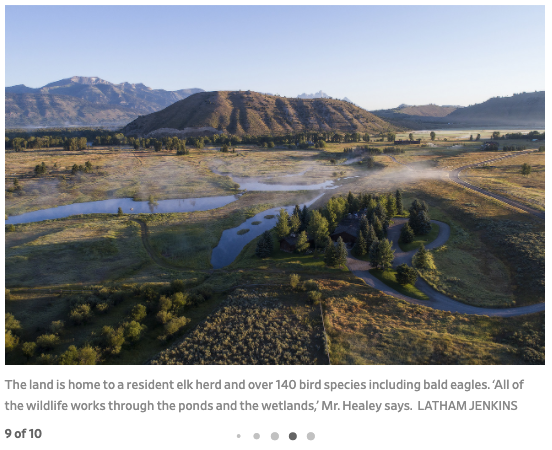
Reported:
(297, 211)
(386, 254)
(264, 245)
(340, 258)
(423, 259)
(295, 223)
(304, 218)
(420, 224)
(282, 226)
(406, 275)
(407, 235)
(120, 211)
(381, 211)
(369, 236)
(351, 201)
(378, 227)
(359, 249)
(423, 223)
(398, 201)
(373, 253)
(330, 253)
(302, 243)
(391, 206)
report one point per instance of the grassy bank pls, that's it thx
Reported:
(419, 240)
(389, 278)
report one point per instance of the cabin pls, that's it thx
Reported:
(289, 243)
(347, 229)
(406, 142)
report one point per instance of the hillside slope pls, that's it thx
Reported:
(525, 109)
(253, 113)
(427, 110)
(43, 110)
(139, 97)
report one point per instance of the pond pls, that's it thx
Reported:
(128, 205)
(231, 243)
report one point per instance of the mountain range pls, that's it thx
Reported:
(248, 112)
(101, 102)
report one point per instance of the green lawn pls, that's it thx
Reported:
(419, 240)
(388, 277)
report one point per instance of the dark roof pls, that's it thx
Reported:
(348, 225)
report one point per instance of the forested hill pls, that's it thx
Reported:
(43, 110)
(526, 109)
(247, 112)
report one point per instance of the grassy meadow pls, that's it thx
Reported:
(494, 257)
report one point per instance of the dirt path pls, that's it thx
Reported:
(455, 177)
(436, 300)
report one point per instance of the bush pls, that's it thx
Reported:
(28, 349)
(532, 356)
(83, 356)
(423, 259)
(133, 331)
(47, 341)
(177, 286)
(10, 228)
(57, 326)
(294, 280)
(81, 314)
(180, 301)
(11, 341)
(310, 285)
(46, 359)
(138, 313)
(163, 316)
(165, 303)
(406, 275)
(102, 307)
(315, 297)
(113, 339)
(173, 325)
(11, 323)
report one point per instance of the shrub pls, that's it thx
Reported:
(315, 296)
(28, 349)
(133, 331)
(10, 228)
(47, 341)
(83, 356)
(175, 324)
(163, 316)
(81, 314)
(180, 301)
(138, 313)
(177, 286)
(294, 280)
(113, 339)
(165, 303)
(11, 323)
(310, 285)
(11, 341)
(46, 359)
(57, 326)
(406, 275)
(532, 356)
(102, 307)
(423, 259)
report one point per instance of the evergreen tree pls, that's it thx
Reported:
(264, 245)
(318, 229)
(363, 227)
(369, 236)
(381, 211)
(406, 275)
(407, 235)
(378, 227)
(525, 169)
(398, 201)
(120, 211)
(351, 201)
(302, 243)
(420, 223)
(297, 211)
(304, 218)
(330, 253)
(423, 224)
(282, 226)
(359, 249)
(295, 223)
(373, 253)
(386, 254)
(423, 259)
(340, 251)
(391, 206)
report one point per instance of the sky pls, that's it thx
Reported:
(377, 56)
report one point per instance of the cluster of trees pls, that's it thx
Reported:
(41, 169)
(419, 220)
(513, 148)
(477, 138)
(160, 307)
(335, 255)
(74, 144)
(87, 168)
(531, 135)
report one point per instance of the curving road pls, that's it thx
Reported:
(436, 300)
(455, 178)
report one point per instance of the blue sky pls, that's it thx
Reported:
(376, 56)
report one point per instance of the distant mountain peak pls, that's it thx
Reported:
(318, 94)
